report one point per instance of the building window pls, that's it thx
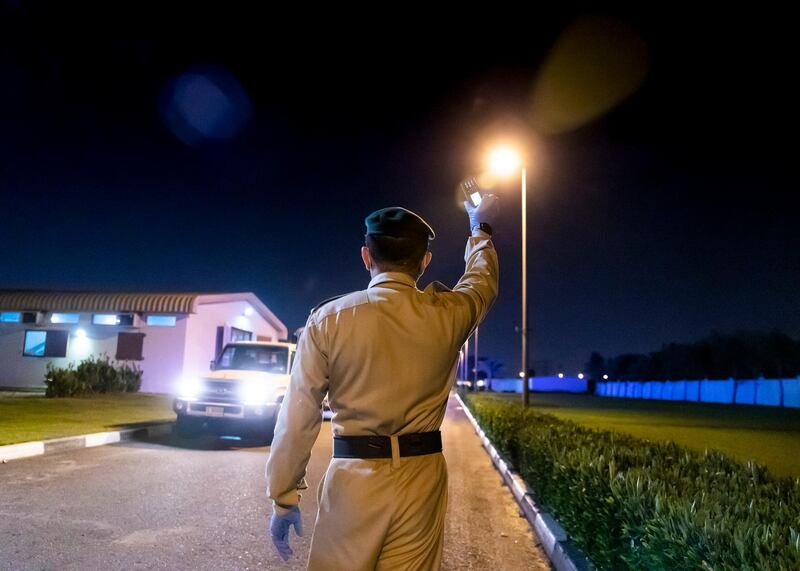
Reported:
(10, 317)
(240, 335)
(220, 342)
(45, 344)
(161, 320)
(124, 319)
(129, 346)
(29, 317)
(34, 343)
(65, 318)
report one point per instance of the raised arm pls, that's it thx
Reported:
(479, 284)
(473, 295)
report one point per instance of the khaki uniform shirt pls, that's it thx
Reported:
(386, 356)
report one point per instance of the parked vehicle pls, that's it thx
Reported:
(241, 396)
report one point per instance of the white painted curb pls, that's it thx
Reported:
(24, 450)
(101, 438)
(45, 447)
(562, 553)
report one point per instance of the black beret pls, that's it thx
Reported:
(396, 221)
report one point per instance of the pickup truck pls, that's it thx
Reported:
(240, 396)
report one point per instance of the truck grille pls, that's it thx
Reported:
(219, 391)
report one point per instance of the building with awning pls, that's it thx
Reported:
(168, 335)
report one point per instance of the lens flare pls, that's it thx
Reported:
(596, 63)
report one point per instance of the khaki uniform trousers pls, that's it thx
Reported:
(381, 514)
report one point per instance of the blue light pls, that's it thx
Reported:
(161, 320)
(10, 317)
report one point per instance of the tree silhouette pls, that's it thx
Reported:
(743, 355)
(596, 367)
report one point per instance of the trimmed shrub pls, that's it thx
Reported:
(63, 382)
(634, 504)
(92, 375)
(131, 376)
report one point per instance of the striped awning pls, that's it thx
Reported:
(97, 302)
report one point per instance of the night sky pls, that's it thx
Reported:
(670, 214)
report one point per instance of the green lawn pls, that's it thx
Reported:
(769, 435)
(25, 418)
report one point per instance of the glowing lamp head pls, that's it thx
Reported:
(605, 377)
(521, 375)
(80, 333)
(503, 161)
(580, 375)
(248, 311)
(561, 375)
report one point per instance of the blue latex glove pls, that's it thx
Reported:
(279, 529)
(484, 212)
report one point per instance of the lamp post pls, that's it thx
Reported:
(475, 368)
(466, 360)
(525, 389)
(504, 161)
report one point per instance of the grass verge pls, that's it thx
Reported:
(23, 419)
(768, 435)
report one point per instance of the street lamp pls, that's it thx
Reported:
(504, 161)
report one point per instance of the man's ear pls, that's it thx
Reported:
(366, 258)
(426, 259)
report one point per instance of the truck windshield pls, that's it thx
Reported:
(255, 358)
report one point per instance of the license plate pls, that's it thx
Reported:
(215, 410)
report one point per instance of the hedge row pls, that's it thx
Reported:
(635, 504)
(93, 375)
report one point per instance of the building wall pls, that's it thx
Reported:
(163, 355)
(170, 353)
(201, 332)
(542, 384)
(162, 351)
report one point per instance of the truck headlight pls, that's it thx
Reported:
(189, 388)
(255, 392)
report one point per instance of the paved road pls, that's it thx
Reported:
(171, 504)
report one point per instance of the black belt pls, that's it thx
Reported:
(417, 444)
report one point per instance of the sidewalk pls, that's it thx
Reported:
(484, 529)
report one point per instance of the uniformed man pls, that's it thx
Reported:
(386, 357)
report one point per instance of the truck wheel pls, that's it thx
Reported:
(188, 427)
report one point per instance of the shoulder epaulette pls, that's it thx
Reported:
(330, 299)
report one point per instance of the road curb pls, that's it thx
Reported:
(57, 445)
(563, 554)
